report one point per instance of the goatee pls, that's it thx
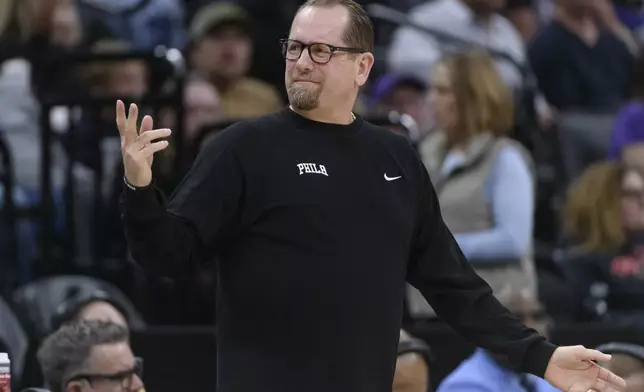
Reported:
(302, 98)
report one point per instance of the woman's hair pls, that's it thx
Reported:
(483, 101)
(592, 213)
(21, 19)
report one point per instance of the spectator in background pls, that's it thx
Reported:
(271, 21)
(66, 28)
(476, 21)
(482, 372)
(583, 59)
(202, 107)
(95, 306)
(484, 180)
(94, 151)
(604, 216)
(524, 16)
(221, 51)
(144, 24)
(404, 94)
(90, 356)
(36, 35)
(627, 138)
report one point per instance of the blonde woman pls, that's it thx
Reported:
(483, 179)
(604, 215)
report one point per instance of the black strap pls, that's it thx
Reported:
(417, 346)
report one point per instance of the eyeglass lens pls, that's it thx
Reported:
(320, 53)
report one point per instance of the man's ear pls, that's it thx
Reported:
(365, 63)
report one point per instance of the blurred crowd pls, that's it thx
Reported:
(545, 198)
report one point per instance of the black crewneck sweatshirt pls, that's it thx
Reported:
(316, 228)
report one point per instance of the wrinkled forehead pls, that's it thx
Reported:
(320, 24)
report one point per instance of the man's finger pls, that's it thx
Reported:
(146, 125)
(152, 148)
(132, 118)
(601, 386)
(611, 378)
(121, 119)
(150, 136)
(594, 355)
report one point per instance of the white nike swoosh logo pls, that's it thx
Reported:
(391, 178)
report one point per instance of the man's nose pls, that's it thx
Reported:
(304, 63)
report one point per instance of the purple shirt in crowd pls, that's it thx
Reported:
(628, 129)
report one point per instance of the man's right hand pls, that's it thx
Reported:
(138, 147)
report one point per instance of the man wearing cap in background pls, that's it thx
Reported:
(221, 51)
(405, 94)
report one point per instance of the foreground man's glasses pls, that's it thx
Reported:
(319, 52)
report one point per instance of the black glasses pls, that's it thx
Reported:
(318, 52)
(124, 378)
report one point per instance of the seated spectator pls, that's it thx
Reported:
(221, 51)
(524, 16)
(405, 94)
(145, 24)
(483, 179)
(202, 107)
(90, 356)
(604, 216)
(477, 22)
(94, 146)
(627, 362)
(482, 372)
(627, 139)
(412, 368)
(96, 306)
(583, 59)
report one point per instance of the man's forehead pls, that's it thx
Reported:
(320, 24)
(112, 357)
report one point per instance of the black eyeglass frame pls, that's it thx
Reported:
(332, 49)
(122, 377)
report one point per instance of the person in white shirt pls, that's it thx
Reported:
(475, 21)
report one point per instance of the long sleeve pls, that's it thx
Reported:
(199, 216)
(511, 193)
(440, 271)
(543, 58)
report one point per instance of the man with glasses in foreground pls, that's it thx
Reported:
(317, 219)
(89, 356)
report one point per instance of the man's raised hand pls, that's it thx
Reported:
(138, 146)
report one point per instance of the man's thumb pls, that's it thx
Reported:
(594, 355)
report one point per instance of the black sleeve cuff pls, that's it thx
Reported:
(143, 204)
(537, 358)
